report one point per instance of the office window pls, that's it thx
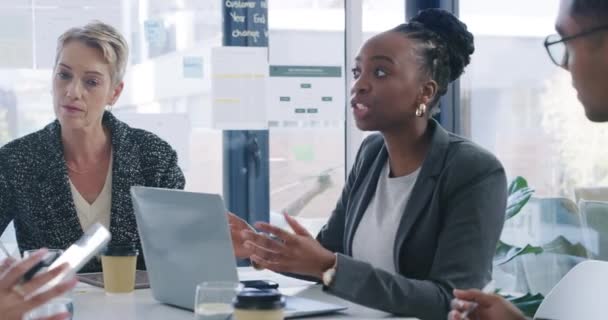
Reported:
(307, 157)
(381, 15)
(168, 88)
(307, 149)
(520, 106)
(161, 94)
(158, 95)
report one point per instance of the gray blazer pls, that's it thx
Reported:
(446, 238)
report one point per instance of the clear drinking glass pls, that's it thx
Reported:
(213, 300)
(57, 305)
(53, 307)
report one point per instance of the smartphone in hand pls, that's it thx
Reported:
(46, 261)
(78, 254)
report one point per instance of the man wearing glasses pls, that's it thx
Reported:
(581, 47)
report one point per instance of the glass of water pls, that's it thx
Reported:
(213, 300)
(57, 305)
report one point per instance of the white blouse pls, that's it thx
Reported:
(99, 210)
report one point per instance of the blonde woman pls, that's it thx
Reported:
(78, 169)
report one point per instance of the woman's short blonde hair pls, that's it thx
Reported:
(104, 37)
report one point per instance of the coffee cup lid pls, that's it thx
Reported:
(120, 250)
(266, 299)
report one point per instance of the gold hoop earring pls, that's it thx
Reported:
(421, 110)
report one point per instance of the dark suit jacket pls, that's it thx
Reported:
(35, 191)
(446, 238)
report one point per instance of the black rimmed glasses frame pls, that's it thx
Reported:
(556, 45)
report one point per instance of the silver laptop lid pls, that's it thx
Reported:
(185, 241)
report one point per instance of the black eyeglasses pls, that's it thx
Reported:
(556, 45)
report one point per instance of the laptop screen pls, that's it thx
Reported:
(185, 241)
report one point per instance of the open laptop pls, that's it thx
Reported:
(186, 240)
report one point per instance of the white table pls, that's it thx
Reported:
(91, 303)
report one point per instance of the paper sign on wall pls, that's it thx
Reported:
(154, 31)
(193, 67)
(238, 86)
(305, 93)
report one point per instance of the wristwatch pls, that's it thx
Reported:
(329, 274)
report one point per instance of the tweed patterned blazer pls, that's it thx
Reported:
(35, 191)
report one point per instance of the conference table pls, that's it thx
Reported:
(92, 303)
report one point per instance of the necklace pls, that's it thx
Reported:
(81, 172)
(107, 153)
(76, 171)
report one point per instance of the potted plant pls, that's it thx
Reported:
(519, 193)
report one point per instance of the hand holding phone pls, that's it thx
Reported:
(46, 261)
(77, 255)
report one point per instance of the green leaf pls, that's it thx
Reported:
(519, 194)
(561, 245)
(517, 183)
(506, 252)
(528, 303)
